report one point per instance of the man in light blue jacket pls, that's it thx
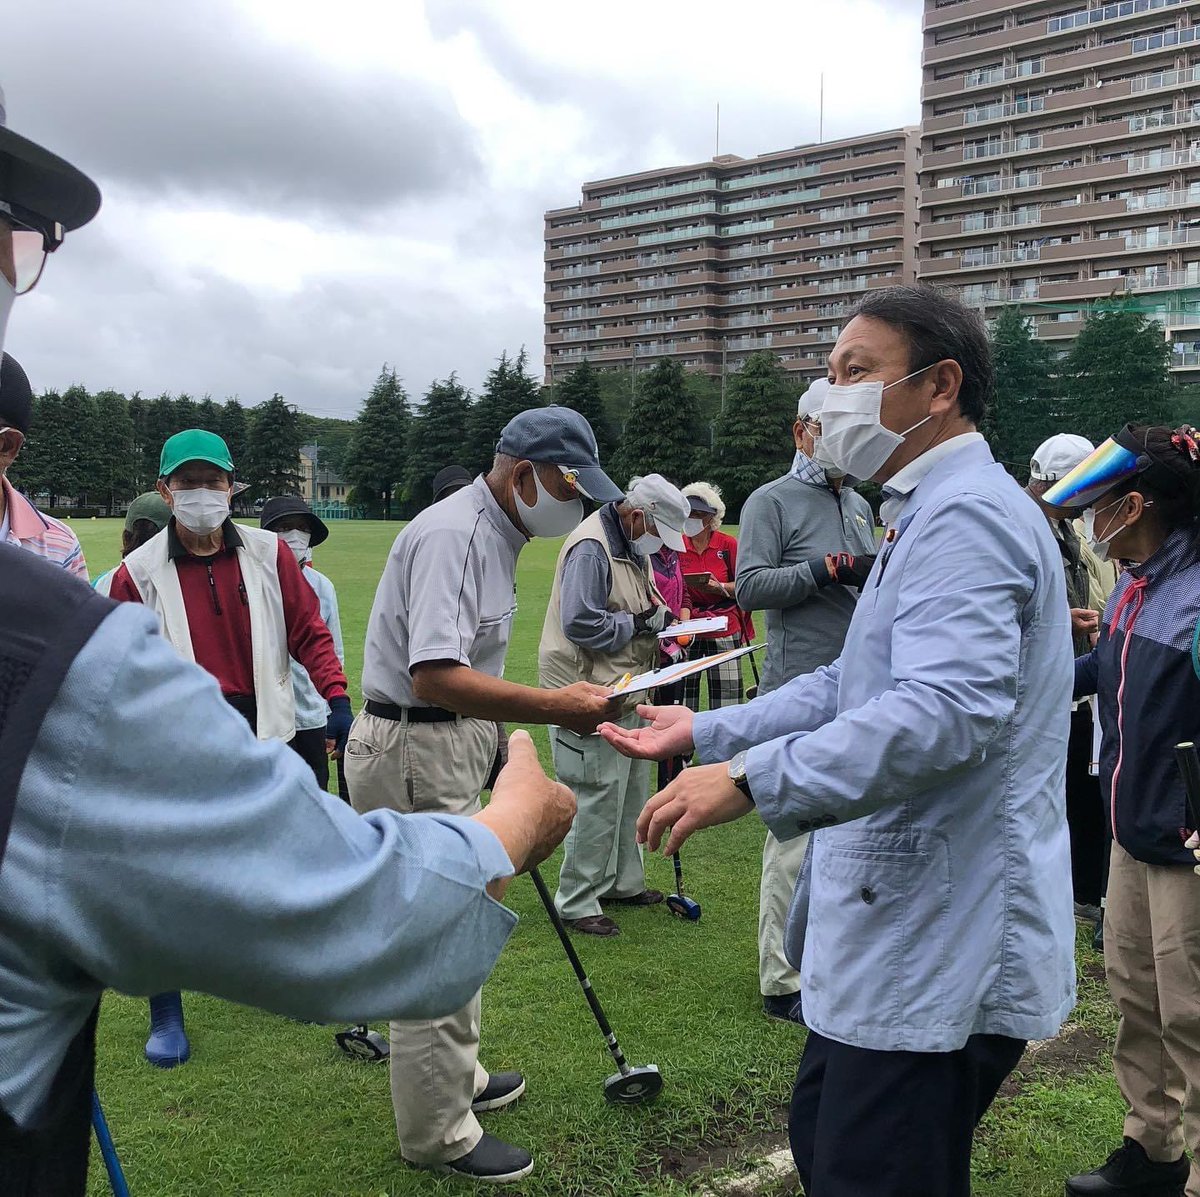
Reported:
(932, 922)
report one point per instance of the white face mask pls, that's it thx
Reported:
(297, 540)
(821, 458)
(853, 438)
(1100, 545)
(201, 510)
(548, 516)
(693, 527)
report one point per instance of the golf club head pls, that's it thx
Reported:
(643, 1083)
(684, 908)
(362, 1044)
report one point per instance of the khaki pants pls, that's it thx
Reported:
(780, 867)
(601, 857)
(435, 1071)
(1152, 957)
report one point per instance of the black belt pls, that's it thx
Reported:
(387, 710)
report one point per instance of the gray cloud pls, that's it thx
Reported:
(190, 99)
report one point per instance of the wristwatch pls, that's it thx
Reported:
(737, 775)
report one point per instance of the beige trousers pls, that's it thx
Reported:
(601, 856)
(780, 867)
(1152, 957)
(435, 1071)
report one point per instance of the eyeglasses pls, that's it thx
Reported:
(26, 240)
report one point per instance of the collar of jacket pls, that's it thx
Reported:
(1178, 551)
(175, 548)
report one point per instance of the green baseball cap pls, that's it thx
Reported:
(149, 506)
(193, 444)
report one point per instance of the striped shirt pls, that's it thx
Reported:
(27, 528)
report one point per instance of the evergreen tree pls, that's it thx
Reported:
(208, 415)
(375, 459)
(664, 433)
(186, 413)
(752, 440)
(36, 466)
(1023, 412)
(71, 424)
(273, 449)
(580, 391)
(115, 454)
(1118, 373)
(234, 430)
(145, 465)
(507, 391)
(158, 423)
(437, 437)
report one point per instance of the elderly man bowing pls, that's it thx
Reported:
(932, 923)
(601, 625)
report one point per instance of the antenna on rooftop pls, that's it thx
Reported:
(717, 150)
(821, 112)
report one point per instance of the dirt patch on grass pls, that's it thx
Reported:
(1075, 1051)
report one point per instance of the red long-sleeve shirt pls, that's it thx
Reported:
(720, 560)
(219, 616)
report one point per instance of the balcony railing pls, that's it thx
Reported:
(762, 342)
(1164, 79)
(986, 76)
(692, 230)
(1157, 159)
(1168, 37)
(664, 192)
(1001, 183)
(993, 112)
(786, 175)
(658, 214)
(1109, 12)
(581, 270)
(754, 247)
(656, 305)
(993, 149)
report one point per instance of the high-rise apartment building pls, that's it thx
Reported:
(1060, 158)
(707, 263)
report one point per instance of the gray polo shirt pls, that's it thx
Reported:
(447, 594)
(787, 528)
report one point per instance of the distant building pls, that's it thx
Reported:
(320, 487)
(707, 262)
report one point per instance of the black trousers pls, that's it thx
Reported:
(892, 1124)
(1086, 819)
(310, 744)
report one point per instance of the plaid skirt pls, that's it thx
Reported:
(724, 680)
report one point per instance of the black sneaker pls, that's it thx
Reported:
(491, 1160)
(503, 1088)
(1131, 1172)
(784, 1006)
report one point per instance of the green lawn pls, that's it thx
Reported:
(269, 1107)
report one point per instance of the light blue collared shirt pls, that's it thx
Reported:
(157, 845)
(311, 709)
(928, 761)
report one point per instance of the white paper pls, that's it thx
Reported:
(696, 627)
(674, 673)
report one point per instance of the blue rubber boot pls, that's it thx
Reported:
(168, 1044)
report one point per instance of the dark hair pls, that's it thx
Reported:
(1172, 479)
(938, 326)
(135, 537)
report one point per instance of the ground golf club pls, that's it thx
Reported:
(631, 1084)
(681, 906)
(363, 1044)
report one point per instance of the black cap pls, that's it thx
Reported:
(700, 506)
(16, 395)
(449, 479)
(276, 509)
(42, 183)
(559, 436)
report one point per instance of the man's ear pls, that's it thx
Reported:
(947, 379)
(164, 490)
(798, 434)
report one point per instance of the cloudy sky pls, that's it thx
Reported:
(296, 192)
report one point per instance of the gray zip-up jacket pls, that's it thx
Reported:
(787, 528)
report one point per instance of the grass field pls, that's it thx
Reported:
(269, 1107)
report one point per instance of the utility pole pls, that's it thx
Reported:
(821, 113)
(717, 150)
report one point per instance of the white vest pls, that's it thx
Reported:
(154, 574)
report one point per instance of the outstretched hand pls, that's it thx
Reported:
(701, 796)
(669, 734)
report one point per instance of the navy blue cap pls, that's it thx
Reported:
(562, 437)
